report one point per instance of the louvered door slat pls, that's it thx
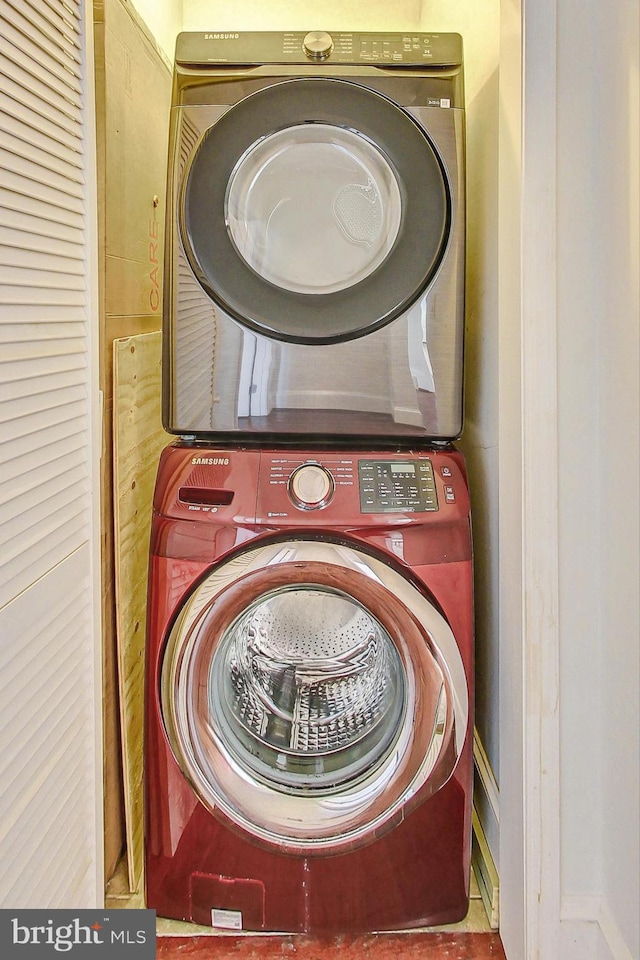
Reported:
(69, 10)
(38, 333)
(31, 459)
(40, 242)
(30, 52)
(22, 370)
(17, 104)
(41, 90)
(14, 296)
(19, 183)
(54, 35)
(22, 140)
(59, 488)
(33, 278)
(28, 313)
(39, 174)
(25, 35)
(25, 259)
(39, 218)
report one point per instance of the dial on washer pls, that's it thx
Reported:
(310, 486)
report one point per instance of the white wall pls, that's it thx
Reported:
(164, 19)
(289, 15)
(599, 406)
(580, 317)
(618, 351)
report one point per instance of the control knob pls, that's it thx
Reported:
(310, 486)
(317, 45)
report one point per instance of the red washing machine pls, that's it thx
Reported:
(309, 689)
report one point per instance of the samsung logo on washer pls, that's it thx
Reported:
(212, 461)
(222, 36)
(41, 933)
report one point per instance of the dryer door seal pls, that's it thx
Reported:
(315, 211)
(311, 694)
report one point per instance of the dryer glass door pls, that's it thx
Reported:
(314, 211)
(311, 693)
(313, 208)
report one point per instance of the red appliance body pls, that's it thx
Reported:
(412, 869)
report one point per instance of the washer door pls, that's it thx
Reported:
(315, 211)
(309, 692)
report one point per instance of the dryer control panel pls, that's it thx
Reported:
(409, 48)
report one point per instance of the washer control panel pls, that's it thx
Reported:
(342, 488)
(391, 485)
(397, 486)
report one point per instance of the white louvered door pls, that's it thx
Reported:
(50, 759)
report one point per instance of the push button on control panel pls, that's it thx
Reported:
(310, 486)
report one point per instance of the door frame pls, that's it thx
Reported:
(528, 476)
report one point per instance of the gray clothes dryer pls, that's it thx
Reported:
(314, 262)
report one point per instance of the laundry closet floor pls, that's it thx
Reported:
(404, 946)
(471, 939)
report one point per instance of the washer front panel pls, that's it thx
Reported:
(309, 692)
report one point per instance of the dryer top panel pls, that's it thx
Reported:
(407, 49)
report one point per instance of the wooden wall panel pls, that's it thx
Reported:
(133, 94)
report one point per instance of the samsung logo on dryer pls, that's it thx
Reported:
(212, 461)
(222, 36)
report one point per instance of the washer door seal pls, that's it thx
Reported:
(370, 303)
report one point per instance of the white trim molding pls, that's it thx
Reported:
(540, 522)
(486, 776)
(486, 831)
(95, 432)
(486, 801)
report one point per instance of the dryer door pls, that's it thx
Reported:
(310, 693)
(315, 211)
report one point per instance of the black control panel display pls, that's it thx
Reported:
(396, 486)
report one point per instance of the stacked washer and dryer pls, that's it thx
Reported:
(310, 640)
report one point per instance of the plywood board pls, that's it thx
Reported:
(138, 439)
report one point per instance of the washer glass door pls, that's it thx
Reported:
(306, 688)
(309, 692)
